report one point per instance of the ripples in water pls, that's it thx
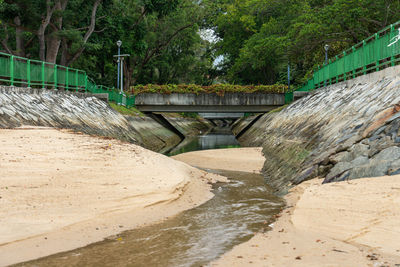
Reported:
(192, 238)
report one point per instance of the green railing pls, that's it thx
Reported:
(372, 54)
(113, 94)
(24, 72)
(21, 71)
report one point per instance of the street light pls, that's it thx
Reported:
(119, 43)
(326, 56)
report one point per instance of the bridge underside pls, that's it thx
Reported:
(205, 109)
(221, 115)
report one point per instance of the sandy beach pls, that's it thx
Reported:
(353, 223)
(61, 190)
(246, 159)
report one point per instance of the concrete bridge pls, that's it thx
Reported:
(209, 103)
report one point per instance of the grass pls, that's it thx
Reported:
(278, 109)
(126, 111)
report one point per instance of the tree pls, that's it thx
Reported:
(260, 37)
(49, 22)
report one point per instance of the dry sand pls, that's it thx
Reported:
(60, 190)
(354, 223)
(248, 159)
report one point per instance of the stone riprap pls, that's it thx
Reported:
(345, 131)
(80, 112)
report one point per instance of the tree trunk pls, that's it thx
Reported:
(42, 30)
(19, 38)
(53, 41)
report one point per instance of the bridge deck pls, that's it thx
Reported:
(230, 102)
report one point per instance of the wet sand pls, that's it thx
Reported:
(60, 190)
(353, 223)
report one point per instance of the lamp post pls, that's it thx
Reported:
(326, 56)
(121, 74)
(119, 43)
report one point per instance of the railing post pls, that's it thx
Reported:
(85, 82)
(28, 73)
(344, 66)
(337, 72)
(77, 80)
(66, 78)
(12, 70)
(55, 77)
(353, 49)
(377, 48)
(392, 63)
(329, 71)
(43, 84)
(364, 57)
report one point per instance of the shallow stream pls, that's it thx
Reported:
(192, 238)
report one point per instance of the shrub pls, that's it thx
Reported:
(218, 89)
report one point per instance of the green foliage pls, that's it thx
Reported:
(259, 38)
(278, 109)
(218, 89)
(126, 111)
(192, 115)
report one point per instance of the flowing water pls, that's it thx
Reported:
(192, 238)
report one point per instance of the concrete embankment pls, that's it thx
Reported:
(87, 114)
(345, 131)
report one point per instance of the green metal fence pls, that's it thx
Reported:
(19, 71)
(373, 54)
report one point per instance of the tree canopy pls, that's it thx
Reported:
(255, 40)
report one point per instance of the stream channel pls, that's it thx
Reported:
(194, 237)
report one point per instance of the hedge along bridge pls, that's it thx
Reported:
(375, 53)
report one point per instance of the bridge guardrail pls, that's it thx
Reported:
(377, 52)
(20, 71)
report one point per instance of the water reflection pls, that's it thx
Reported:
(209, 141)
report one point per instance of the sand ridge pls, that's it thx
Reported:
(61, 190)
(353, 223)
(246, 159)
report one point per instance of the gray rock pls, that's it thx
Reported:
(394, 117)
(375, 137)
(379, 130)
(341, 156)
(307, 174)
(374, 169)
(390, 154)
(337, 170)
(359, 161)
(359, 150)
(379, 145)
(345, 176)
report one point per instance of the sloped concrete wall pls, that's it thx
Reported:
(345, 131)
(80, 112)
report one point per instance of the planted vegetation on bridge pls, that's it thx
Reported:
(219, 89)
